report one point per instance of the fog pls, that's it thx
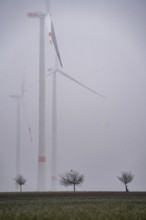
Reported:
(102, 44)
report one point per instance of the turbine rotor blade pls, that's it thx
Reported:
(23, 85)
(47, 4)
(50, 69)
(26, 119)
(37, 82)
(55, 43)
(52, 31)
(81, 84)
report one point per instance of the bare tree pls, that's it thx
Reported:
(126, 177)
(71, 178)
(20, 180)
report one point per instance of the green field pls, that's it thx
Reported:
(71, 206)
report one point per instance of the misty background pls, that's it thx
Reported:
(102, 44)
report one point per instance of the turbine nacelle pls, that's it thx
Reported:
(36, 15)
(15, 96)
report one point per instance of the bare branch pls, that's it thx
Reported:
(71, 178)
(20, 180)
(126, 177)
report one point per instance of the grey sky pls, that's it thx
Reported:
(102, 44)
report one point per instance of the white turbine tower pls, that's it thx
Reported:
(54, 99)
(19, 99)
(42, 114)
(41, 181)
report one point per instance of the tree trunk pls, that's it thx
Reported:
(20, 188)
(126, 187)
(74, 187)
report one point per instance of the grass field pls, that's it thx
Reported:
(71, 206)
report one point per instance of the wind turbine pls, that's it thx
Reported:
(41, 181)
(42, 114)
(54, 116)
(19, 98)
(54, 99)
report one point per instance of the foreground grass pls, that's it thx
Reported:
(68, 206)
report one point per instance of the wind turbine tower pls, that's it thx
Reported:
(20, 101)
(41, 182)
(17, 97)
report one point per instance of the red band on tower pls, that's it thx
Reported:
(41, 159)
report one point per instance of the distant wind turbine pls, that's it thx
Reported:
(54, 99)
(54, 117)
(19, 100)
